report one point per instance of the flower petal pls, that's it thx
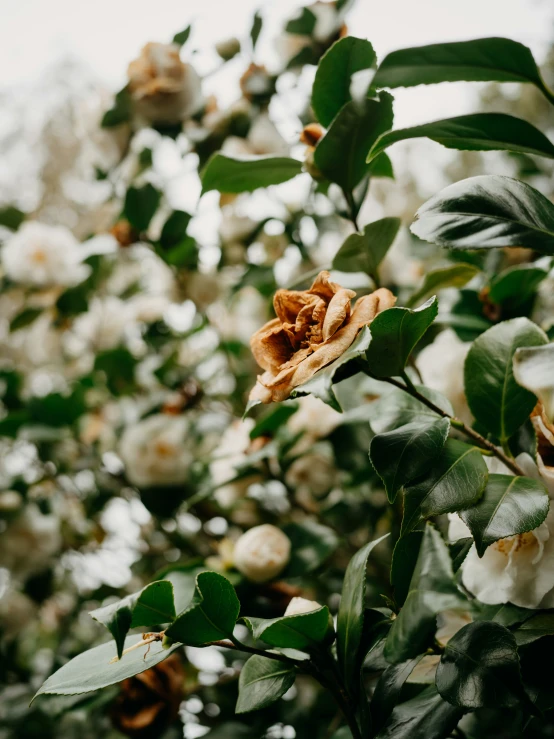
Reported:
(337, 310)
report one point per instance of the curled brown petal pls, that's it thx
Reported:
(323, 287)
(270, 345)
(337, 310)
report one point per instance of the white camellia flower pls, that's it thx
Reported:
(230, 454)
(297, 606)
(164, 88)
(44, 256)
(155, 451)
(441, 365)
(262, 553)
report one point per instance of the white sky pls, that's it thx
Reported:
(107, 34)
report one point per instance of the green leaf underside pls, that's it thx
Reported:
(509, 506)
(477, 132)
(293, 632)
(432, 590)
(262, 681)
(351, 612)
(211, 615)
(364, 252)
(455, 275)
(331, 89)
(493, 395)
(246, 174)
(534, 370)
(394, 334)
(542, 624)
(427, 716)
(479, 60)
(340, 155)
(456, 481)
(487, 211)
(480, 668)
(92, 670)
(401, 455)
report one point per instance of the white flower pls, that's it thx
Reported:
(44, 256)
(313, 472)
(297, 606)
(314, 418)
(30, 542)
(262, 553)
(103, 326)
(156, 451)
(328, 22)
(441, 365)
(164, 89)
(231, 453)
(262, 138)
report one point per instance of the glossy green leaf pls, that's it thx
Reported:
(331, 89)
(455, 275)
(456, 481)
(427, 716)
(151, 606)
(246, 174)
(182, 37)
(509, 506)
(311, 544)
(404, 560)
(534, 370)
(394, 334)
(539, 625)
(365, 252)
(397, 408)
(479, 60)
(401, 455)
(303, 631)
(432, 590)
(94, 669)
(211, 615)
(516, 285)
(487, 211)
(340, 155)
(140, 205)
(262, 681)
(479, 668)
(387, 691)
(477, 132)
(493, 395)
(350, 617)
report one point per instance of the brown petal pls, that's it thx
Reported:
(323, 287)
(288, 304)
(270, 345)
(337, 310)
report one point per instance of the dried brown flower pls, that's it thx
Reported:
(313, 328)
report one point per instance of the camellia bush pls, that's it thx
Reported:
(297, 461)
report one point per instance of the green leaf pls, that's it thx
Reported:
(303, 631)
(477, 132)
(487, 211)
(119, 366)
(311, 544)
(533, 369)
(455, 275)
(479, 60)
(394, 334)
(151, 606)
(348, 364)
(516, 285)
(404, 560)
(493, 395)
(121, 111)
(456, 481)
(246, 174)
(509, 506)
(396, 408)
(364, 252)
(140, 205)
(256, 28)
(303, 24)
(479, 668)
(182, 37)
(262, 681)
(11, 217)
(331, 89)
(401, 455)
(432, 590)
(174, 229)
(210, 616)
(387, 691)
(340, 155)
(94, 669)
(427, 716)
(25, 318)
(350, 617)
(381, 166)
(539, 625)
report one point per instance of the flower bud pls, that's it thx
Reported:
(311, 134)
(297, 606)
(228, 49)
(262, 553)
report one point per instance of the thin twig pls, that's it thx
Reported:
(240, 647)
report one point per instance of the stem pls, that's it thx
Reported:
(467, 430)
(240, 647)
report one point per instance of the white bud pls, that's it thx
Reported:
(298, 606)
(262, 553)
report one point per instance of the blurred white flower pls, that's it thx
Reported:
(262, 138)
(164, 88)
(314, 472)
(314, 418)
(328, 23)
(156, 451)
(441, 365)
(242, 317)
(104, 324)
(30, 542)
(230, 454)
(262, 553)
(297, 606)
(17, 610)
(43, 255)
